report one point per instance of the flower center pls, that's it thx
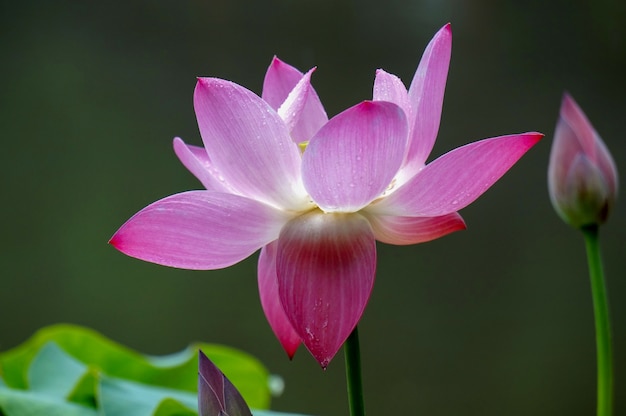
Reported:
(302, 146)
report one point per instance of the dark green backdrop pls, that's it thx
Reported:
(494, 320)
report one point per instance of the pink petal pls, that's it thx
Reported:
(575, 134)
(249, 144)
(565, 148)
(426, 99)
(196, 160)
(388, 87)
(354, 157)
(270, 301)
(583, 132)
(280, 79)
(291, 109)
(457, 178)
(199, 230)
(412, 230)
(326, 265)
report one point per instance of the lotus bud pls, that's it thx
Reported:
(216, 394)
(582, 177)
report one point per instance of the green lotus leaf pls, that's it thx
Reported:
(100, 355)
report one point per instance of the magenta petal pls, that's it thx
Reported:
(354, 157)
(400, 231)
(199, 230)
(326, 265)
(270, 301)
(280, 80)
(457, 178)
(249, 144)
(426, 99)
(196, 160)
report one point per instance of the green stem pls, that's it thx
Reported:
(352, 353)
(603, 326)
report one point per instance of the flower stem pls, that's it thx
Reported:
(603, 326)
(352, 353)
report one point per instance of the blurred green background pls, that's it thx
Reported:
(494, 320)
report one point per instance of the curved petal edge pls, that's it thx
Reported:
(402, 231)
(270, 301)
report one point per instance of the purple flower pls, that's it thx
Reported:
(315, 194)
(582, 177)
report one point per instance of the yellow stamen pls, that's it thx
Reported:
(303, 145)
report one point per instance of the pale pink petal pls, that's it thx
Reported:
(388, 87)
(565, 148)
(426, 99)
(354, 157)
(249, 144)
(457, 178)
(199, 230)
(270, 301)
(401, 231)
(280, 79)
(196, 160)
(326, 265)
(291, 109)
(583, 132)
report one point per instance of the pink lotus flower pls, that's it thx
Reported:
(316, 210)
(582, 177)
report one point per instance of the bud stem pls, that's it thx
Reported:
(602, 323)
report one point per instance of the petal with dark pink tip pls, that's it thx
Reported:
(457, 178)
(401, 231)
(354, 157)
(325, 265)
(270, 301)
(280, 79)
(249, 144)
(199, 230)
